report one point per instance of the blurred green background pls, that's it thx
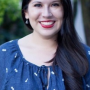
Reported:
(12, 25)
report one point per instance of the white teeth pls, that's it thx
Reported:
(47, 23)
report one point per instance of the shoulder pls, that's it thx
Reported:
(4, 50)
(9, 56)
(87, 52)
(7, 52)
(8, 46)
(87, 76)
(3, 46)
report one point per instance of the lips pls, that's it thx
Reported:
(47, 24)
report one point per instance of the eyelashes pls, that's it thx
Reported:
(56, 4)
(37, 5)
(53, 5)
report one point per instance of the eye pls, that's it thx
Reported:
(56, 4)
(37, 5)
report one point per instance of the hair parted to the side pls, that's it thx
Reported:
(70, 54)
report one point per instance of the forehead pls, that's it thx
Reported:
(44, 1)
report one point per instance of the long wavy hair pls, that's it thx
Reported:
(70, 54)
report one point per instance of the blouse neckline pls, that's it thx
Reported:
(28, 62)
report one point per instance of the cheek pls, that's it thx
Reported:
(59, 13)
(33, 14)
(33, 17)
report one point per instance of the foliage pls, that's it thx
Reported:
(12, 7)
(11, 24)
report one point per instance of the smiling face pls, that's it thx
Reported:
(45, 16)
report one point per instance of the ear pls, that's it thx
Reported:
(26, 15)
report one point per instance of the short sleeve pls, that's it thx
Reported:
(3, 64)
(87, 76)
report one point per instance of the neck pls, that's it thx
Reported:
(35, 41)
(43, 42)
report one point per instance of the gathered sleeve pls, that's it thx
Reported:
(4, 54)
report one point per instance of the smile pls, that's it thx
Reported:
(47, 24)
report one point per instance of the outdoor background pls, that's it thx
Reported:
(12, 26)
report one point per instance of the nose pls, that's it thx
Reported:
(47, 13)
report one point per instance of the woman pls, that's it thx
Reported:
(51, 57)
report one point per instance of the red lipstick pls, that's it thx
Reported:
(47, 26)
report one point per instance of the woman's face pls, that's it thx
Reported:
(45, 16)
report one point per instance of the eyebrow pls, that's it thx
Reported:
(41, 2)
(36, 2)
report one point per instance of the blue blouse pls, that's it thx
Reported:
(16, 73)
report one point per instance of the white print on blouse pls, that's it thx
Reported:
(15, 70)
(88, 85)
(4, 50)
(15, 55)
(6, 70)
(35, 74)
(52, 73)
(62, 79)
(89, 52)
(12, 88)
(26, 80)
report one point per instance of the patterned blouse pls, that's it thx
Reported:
(16, 73)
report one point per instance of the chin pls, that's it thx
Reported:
(49, 35)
